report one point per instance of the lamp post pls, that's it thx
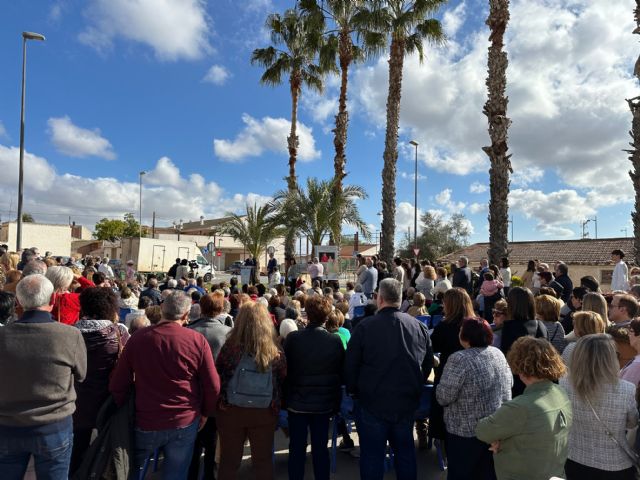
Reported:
(142, 173)
(415, 202)
(25, 36)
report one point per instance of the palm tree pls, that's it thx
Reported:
(255, 230)
(318, 212)
(634, 154)
(301, 40)
(496, 111)
(340, 43)
(408, 23)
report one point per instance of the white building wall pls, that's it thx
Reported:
(46, 237)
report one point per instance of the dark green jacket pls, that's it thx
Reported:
(533, 431)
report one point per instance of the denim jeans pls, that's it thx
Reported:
(299, 426)
(177, 445)
(374, 433)
(51, 453)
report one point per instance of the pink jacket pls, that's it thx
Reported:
(490, 287)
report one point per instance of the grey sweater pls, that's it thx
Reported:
(39, 362)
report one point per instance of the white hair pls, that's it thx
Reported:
(34, 291)
(172, 283)
(61, 277)
(263, 301)
(175, 305)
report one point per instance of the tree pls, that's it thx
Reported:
(440, 236)
(634, 154)
(340, 43)
(302, 41)
(318, 212)
(114, 230)
(255, 230)
(27, 218)
(496, 111)
(407, 23)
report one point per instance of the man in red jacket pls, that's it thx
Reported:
(176, 386)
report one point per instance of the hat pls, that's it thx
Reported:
(287, 326)
(130, 262)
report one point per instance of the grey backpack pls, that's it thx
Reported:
(248, 386)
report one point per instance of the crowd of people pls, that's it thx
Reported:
(529, 377)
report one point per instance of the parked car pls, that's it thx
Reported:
(235, 267)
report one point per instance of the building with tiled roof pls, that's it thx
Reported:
(584, 257)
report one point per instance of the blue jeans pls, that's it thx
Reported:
(318, 425)
(51, 453)
(177, 445)
(374, 433)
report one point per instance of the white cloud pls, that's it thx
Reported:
(477, 187)
(405, 218)
(75, 141)
(218, 75)
(268, 134)
(552, 211)
(475, 208)
(569, 72)
(452, 20)
(51, 197)
(3, 131)
(411, 176)
(174, 29)
(444, 199)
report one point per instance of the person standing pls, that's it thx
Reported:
(398, 271)
(462, 276)
(604, 407)
(529, 434)
(176, 385)
(40, 362)
(388, 360)
(252, 371)
(272, 266)
(316, 271)
(315, 361)
(105, 268)
(475, 383)
(620, 277)
(370, 276)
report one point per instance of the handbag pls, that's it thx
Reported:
(633, 456)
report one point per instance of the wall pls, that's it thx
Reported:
(53, 238)
(576, 272)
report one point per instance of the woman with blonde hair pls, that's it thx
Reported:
(426, 282)
(604, 406)
(252, 370)
(445, 341)
(418, 308)
(529, 434)
(548, 312)
(595, 302)
(584, 323)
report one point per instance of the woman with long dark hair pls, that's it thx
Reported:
(521, 321)
(445, 341)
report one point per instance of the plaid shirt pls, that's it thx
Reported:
(474, 384)
(589, 444)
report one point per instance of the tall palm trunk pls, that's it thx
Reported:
(292, 183)
(396, 60)
(634, 105)
(496, 111)
(342, 120)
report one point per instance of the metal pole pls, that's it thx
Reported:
(140, 217)
(21, 165)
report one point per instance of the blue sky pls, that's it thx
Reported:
(122, 86)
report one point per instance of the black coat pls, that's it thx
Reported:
(389, 358)
(462, 278)
(315, 361)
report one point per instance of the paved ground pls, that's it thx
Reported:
(347, 466)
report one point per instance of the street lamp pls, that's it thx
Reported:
(415, 202)
(25, 36)
(142, 173)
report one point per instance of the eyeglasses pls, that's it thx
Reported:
(497, 312)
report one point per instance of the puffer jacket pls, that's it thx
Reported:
(315, 360)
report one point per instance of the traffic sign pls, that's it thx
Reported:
(205, 250)
(271, 250)
(211, 246)
(416, 251)
(218, 254)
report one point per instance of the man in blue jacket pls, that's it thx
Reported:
(388, 360)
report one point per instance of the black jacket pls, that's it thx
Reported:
(315, 361)
(462, 278)
(567, 287)
(389, 358)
